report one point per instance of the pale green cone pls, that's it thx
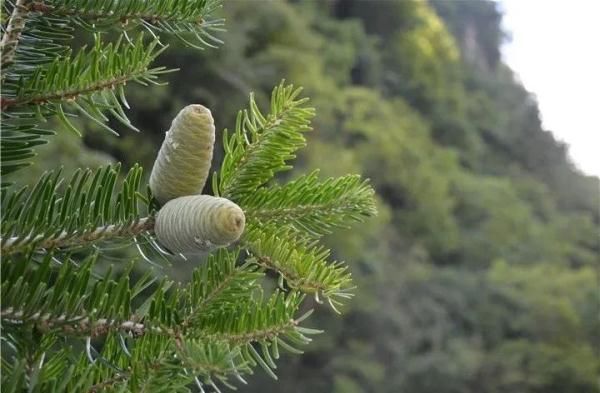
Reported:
(197, 223)
(183, 162)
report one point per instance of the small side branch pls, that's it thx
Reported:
(73, 325)
(102, 386)
(93, 16)
(259, 335)
(68, 95)
(16, 244)
(293, 278)
(82, 325)
(14, 27)
(294, 212)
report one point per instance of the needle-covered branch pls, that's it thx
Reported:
(87, 211)
(220, 324)
(264, 325)
(301, 265)
(219, 284)
(312, 206)
(262, 144)
(41, 79)
(79, 239)
(68, 300)
(134, 332)
(190, 20)
(87, 74)
(75, 325)
(91, 84)
(182, 320)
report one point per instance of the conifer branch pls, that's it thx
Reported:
(101, 386)
(251, 336)
(180, 18)
(91, 14)
(312, 206)
(89, 84)
(262, 144)
(83, 238)
(86, 212)
(263, 324)
(302, 265)
(73, 93)
(291, 276)
(12, 34)
(219, 324)
(216, 292)
(219, 283)
(90, 71)
(74, 325)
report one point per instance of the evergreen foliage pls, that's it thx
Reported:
(479, 274)
(69, 322)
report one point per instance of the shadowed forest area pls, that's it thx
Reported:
(480, 272)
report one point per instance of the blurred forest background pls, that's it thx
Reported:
(479, 274)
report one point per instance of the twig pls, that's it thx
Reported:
(15, 244)
(69, 95)
(101, 386)
(10, 39)
(252, 336)
(43, 8)
(81, 325)
(292, 277)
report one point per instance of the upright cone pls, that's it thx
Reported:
(183, 162)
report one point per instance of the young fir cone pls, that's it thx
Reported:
(195, 223)
(182, 165)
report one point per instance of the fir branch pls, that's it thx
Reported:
(310, 206)
(44, 40)
(110, 382)
(70, 94)
(17, 140)
(73, 307)
(303, 266)
(268, 324)
(256, 335)
(74, 303)
(76, 239)
(90, 71)
(12, 34)
(219, 284)
(191, 11)
(150, 362)
(74, 325)
(85, 213)
(44, 81)
(181, 18)
(262, 144)
(198, 359)
(256, 321)
(90, 84)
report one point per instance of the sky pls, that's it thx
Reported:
(555, 50)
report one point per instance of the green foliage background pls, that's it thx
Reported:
(480, 273)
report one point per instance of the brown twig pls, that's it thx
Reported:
(14, 27)
(65, 95)
(16, 244)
